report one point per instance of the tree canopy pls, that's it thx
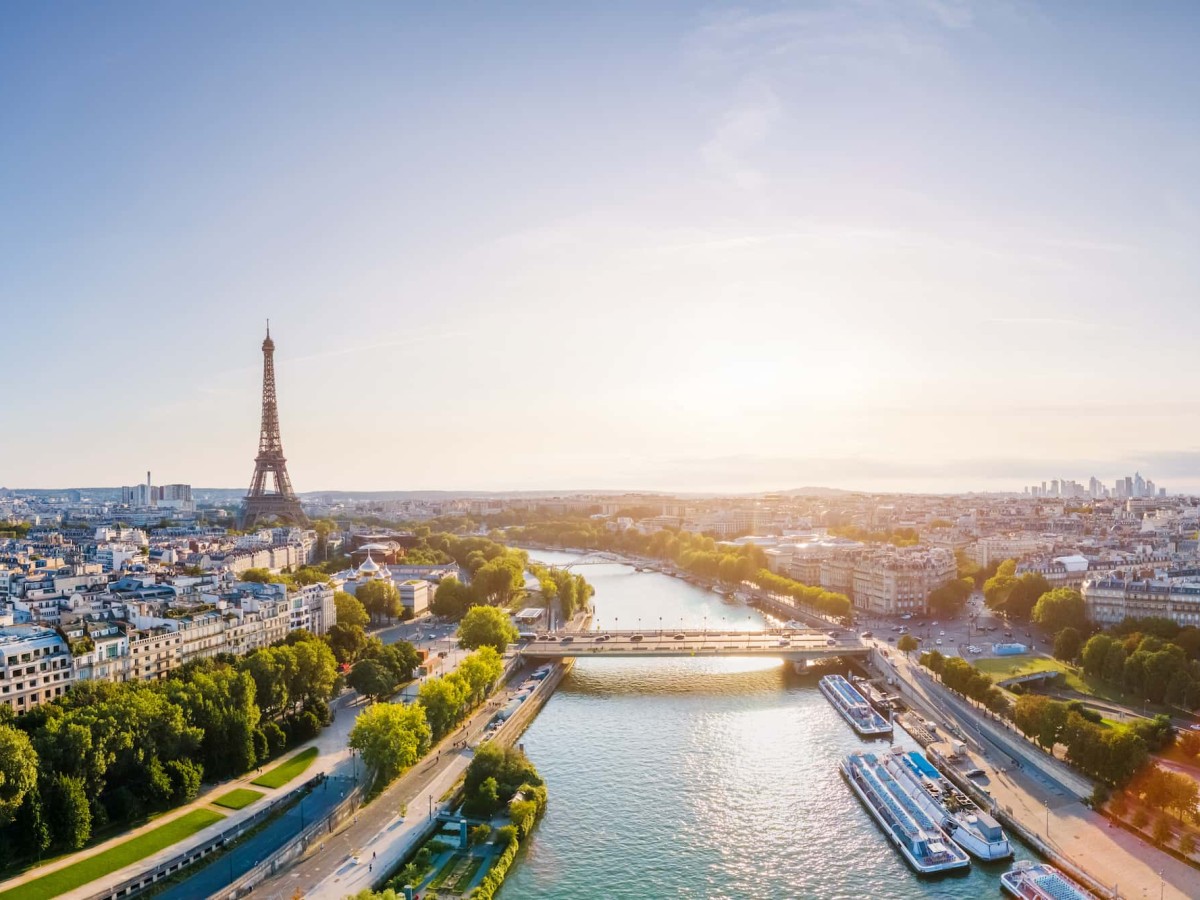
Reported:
(486, 626)
(391, 738)
(1061, 608)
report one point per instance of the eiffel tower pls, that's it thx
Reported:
(261, 505)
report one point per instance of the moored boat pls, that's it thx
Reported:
(956, 813)
(1041, 882)
(853, 707)
(918, 838)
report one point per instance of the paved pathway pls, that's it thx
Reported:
(1111, 855)
(381, 836)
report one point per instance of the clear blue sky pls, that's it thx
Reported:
(927, 245)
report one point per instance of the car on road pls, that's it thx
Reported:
(567, 639)
(784, 642)
(975, 773)
(938, 642)
(891, 639)
(599, 638)
(680, 637)
(867, 634)
(635, 637)
(942, 633)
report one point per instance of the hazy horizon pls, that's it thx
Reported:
(894, 246)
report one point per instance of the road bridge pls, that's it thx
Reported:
(796, 645)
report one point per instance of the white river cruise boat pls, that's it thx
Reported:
(918, 838)
(853, 706)
(1041, 882)
(957, 814)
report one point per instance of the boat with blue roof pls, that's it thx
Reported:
(916, 835)
(958, 815)
(1041, 881)
(853, 706)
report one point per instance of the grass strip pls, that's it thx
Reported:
(238, 798)
(118, 857)
(286, 771)
(467, 875)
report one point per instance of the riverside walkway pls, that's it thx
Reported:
(1043, 796)
(797, 644)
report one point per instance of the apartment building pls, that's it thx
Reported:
(35, 666)
(1111, 598)
(892, 582)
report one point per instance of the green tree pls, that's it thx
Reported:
(486, 626)
(480, 671)
(907, 643)
(997, 588)
(372, 680)
(1067, 644)
(445, 701)
(451, 599)
(1187, 843)
(1060, 608)
(391, 738)
(306, 575)
(269, 668)
(347, 642)
(380, 599)
(259, 576)
(1095, 651)
(1024, 595)
(18, 771)
(315, 673)
(949, 599)
(350, 610)
(497, 581)
(1162, 831)
(68, 812)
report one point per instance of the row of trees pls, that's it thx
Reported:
(392, 736)
(818, 599)
(959, 675)
(571, 591)
(113, 753)
(1144, 666)
(448, 699)
(695, 553)
(1110, 755)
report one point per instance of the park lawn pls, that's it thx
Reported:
(286, 771)
(1004, 667)
(238, 798)
(123, 854)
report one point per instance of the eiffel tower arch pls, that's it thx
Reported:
(279, 502)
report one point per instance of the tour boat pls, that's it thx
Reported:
(853, 707)
(957, 814)
(1041, 882)
(920, 841)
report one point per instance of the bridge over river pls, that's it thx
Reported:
(795, 644)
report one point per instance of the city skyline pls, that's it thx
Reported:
(681, 282)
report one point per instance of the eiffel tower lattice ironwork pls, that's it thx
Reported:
(262, 505)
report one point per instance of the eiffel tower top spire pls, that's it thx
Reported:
(281, 503)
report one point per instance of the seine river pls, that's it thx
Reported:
(701, 778)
